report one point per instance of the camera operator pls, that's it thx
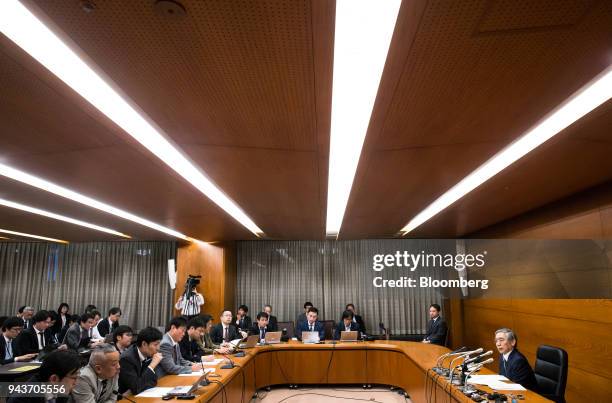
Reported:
(189, 303)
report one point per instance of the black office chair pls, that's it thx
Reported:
(328, 325)
(551, 372)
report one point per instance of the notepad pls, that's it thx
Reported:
(505, 386)
(486, 379)
(24, 368)
(155, 392)
(199, 373)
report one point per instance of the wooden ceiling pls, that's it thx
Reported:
(244, 89)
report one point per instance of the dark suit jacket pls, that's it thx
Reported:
(254, 330)
(518, 370)
(27, 342)
(216, 334)
(190, 350)
(3, 351)
(436, 331)
(133, 375)
(340, 328)
(104, 327)
(318, 327)
(52, 336)
(74, 337)
(272, 324)
(245, 323)
(361, 323)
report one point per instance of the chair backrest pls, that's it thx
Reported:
(551, 372)
(289, 326)
(328, 325)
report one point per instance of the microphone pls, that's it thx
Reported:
(467, 388)
(229, 365)
(470, 360)
(438, 369)
(451, 367)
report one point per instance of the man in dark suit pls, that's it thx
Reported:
(34, 339)
(302, 317)
(225, 331)
(58, 367)
(311, 324)
(346, 325)
(139, 361)
(79, 334)
(260, 327)
(436, 328)
(272, 321)
(356, 318)
(243, 320)
(25, 313)
(122, 338)
(11, 327)
(512, 364)
(190, 349)
(108, 325)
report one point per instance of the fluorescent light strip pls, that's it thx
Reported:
(42, 184)
(6, 231)
(28, 32)
(34, 210)
(592, 95)
(363, 33)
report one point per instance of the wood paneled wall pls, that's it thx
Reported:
(582, 327)
(216, 263)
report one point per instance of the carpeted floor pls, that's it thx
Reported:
(338, 394)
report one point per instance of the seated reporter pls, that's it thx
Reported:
(59, 368)
(172, 360)
(122, 337)
(79, 334)
(272, 320)
(99, 380)
(356, 318)
(11, 327)
(206, 343)
(139, 361)
(346, 325)
(35, 338)
(512, 363)
(311, 324)
(260, 327)
(190, 349)
(110, 323)
(225, 331)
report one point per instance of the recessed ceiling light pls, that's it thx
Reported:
(363, 33)
(34, 210)
(22, 27)
(42, 184)
(589, 97)
(6, 231)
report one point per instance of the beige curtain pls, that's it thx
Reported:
(130, 274)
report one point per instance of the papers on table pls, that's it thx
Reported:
(199, 373)
(213, 362)
(155, 392)
(24, 368)
(235, 342)
(494, 382)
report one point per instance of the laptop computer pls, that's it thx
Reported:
(188, 390)
(251, 342)
(310, 337)
(349, 336)
(273, 337)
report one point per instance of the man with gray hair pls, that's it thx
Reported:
(26, 313)
(99, 380)
(512, 364)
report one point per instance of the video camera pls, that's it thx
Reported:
(190, 284)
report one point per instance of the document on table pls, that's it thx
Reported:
(486, 379)
(505, 386)
(199, 373)
(155, 392)
(213, 362)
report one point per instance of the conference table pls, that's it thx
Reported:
(401, 364)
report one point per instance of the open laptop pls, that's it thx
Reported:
(251, 342)
(188, 390)
(273, 337)
(349, 336)
(310, 337)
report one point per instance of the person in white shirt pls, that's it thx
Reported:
(190, 306)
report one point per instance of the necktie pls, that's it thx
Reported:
(145, 364)
(178, 354)
(262, 334)
(104, 383)
(225, 334)
(42, 340)
(9, 350)
(312, 328)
